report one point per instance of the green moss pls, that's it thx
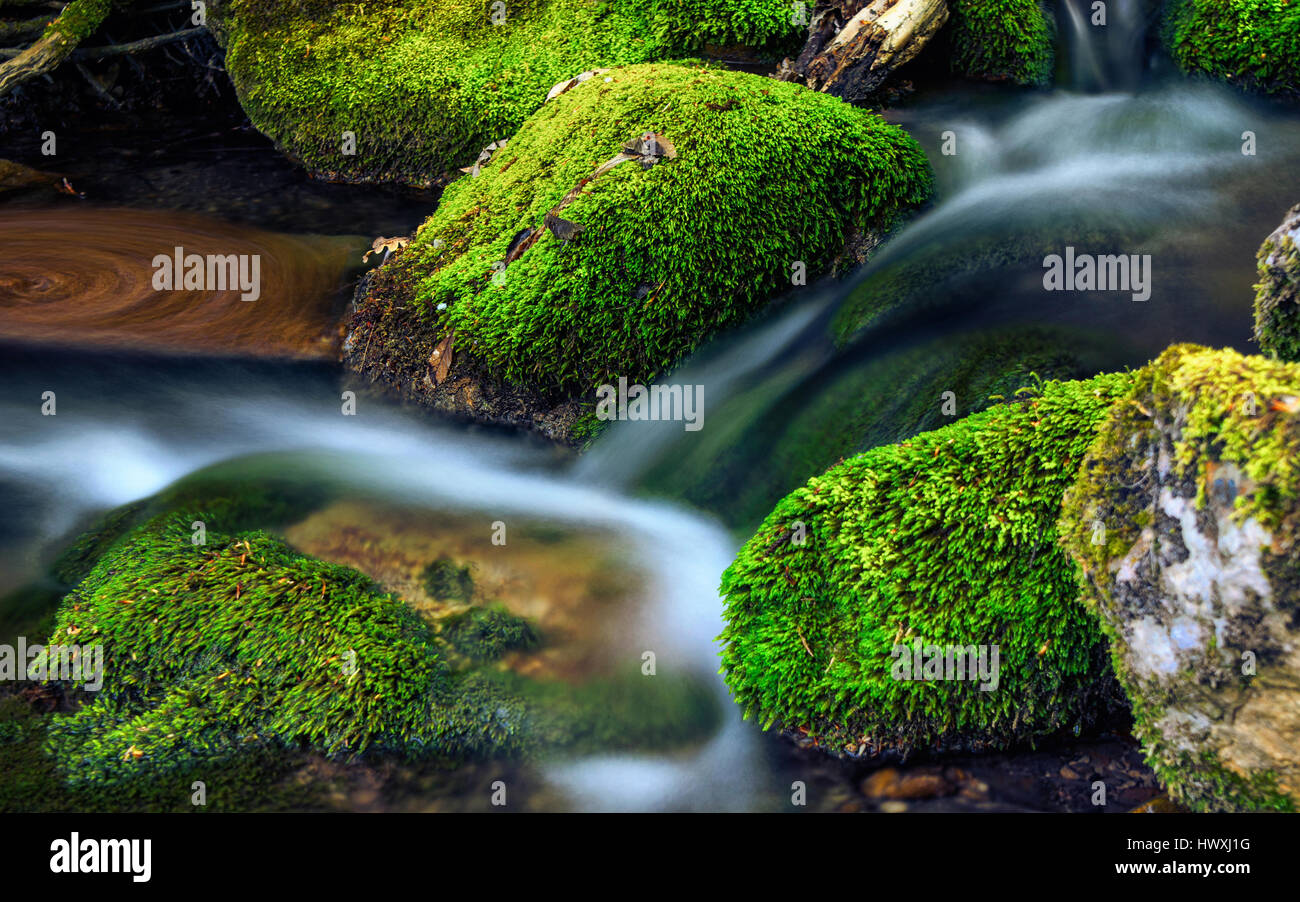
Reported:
(1277, 295)
(1220, 429)
(1002, 40)
(79, 20)
(30, 780)
(766, 174)
(209, 648)
(242, 656)
(445, 580)
(424, 85)
(1251, 43)
(487, 633)
(947, 538)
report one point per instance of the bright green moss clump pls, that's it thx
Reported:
(1277, 295)
(1002, 40)
(1252, 43)
(424, 85)
(765, 175)
(947, 539)
(240, 650)
(209, 648)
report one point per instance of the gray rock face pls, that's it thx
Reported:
(1183, 522)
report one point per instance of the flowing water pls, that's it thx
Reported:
(1122, 161)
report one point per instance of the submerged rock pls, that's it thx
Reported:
(410, 90)
(1277, 296)
(943, 542)
(633, 216)
(1184, 523)
(863, 397)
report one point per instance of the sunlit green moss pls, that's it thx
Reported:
(424, 85)
(947, 538)
(766, 175)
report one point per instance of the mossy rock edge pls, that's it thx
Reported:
(763, 178)
(1184, 524)
(1277, 294)
(947, 539)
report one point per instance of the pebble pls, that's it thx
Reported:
(889, 783)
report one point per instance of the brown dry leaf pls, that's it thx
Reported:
(440, 359)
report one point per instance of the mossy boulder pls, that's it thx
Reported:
(941, 542)
(1002, 40)
(650, 255)
(1251, 43)
(424, 85)
(242, 640)
(1184, 524)
(241, 646)
(1277, 295)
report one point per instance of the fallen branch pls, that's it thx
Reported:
(137, 46)
(78, 19)
(95, 53)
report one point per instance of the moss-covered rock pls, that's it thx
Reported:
(240, 649)
(1277, 295)
(1002, 40)
(955, 271)
(486, 633)
(241, 640)
(1251, 43)
(753, 177)
(945, 540)
(424, 85)
(1184, 524)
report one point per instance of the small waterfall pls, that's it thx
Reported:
(1104, 43)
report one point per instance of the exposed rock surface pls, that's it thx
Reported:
(1184, 524)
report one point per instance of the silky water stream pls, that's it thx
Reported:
(151, 388)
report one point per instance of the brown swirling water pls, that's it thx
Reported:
(83, 277)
